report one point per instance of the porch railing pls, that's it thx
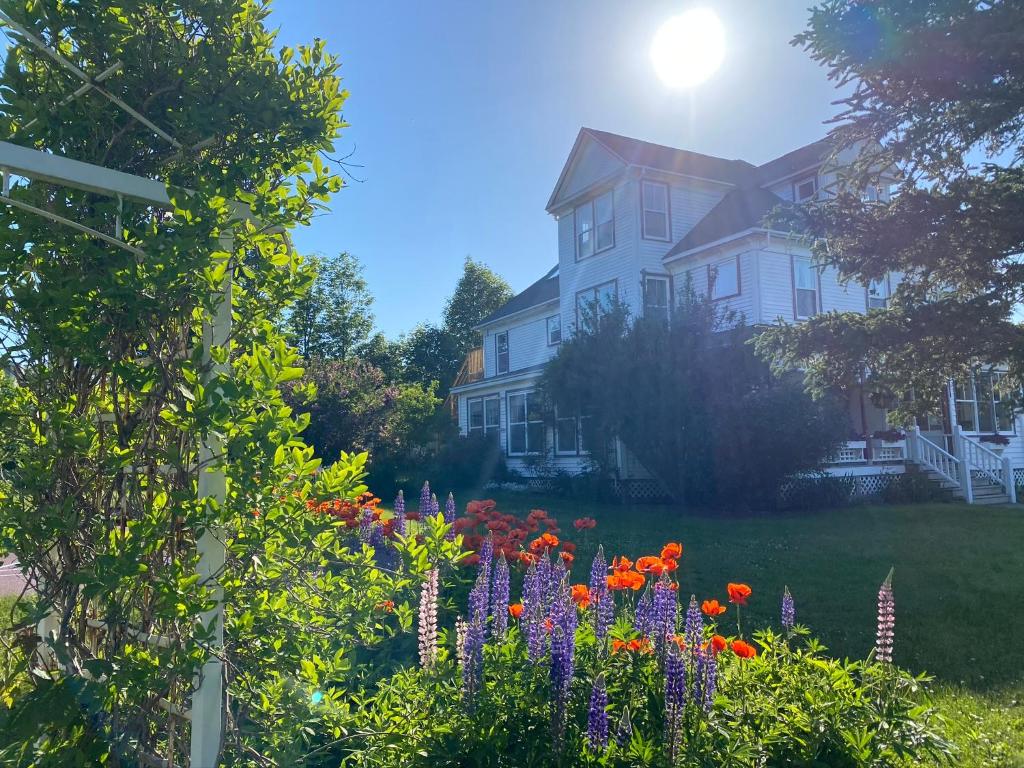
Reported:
(937, 459)
(986, 462)
(972, 458)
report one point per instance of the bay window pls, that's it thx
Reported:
(724, 279)
(595, 225)
(594, 302)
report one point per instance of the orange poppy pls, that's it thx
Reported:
(672, 551)
(738, 593)
(712, 608)
(678, 640)
(567, 557)
(719, 643)
(618, 645)
(670, 564)
(549, 539)
(743, 650)
(583, 523)
(649, 564)
(568, 546)
(626, 580)
(516, 609)
(621, 564)
(386, 605)
(580, 595)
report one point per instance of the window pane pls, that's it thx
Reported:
(656, 225)
(565, 436)
(517, 409)
(655, 197)
(724, 279)
(878, 294)
(517, 438)
(806, 303)
(965, 414)
(501, 345)
(535, 436)
(805, 275)
(533, 411)
(492, 414)
(584, 230)
(476, 414)
(986, 414)
(554, 329)
(606, 296)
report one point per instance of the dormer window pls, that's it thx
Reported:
(654, 204)
(595, 226)
(805, 189)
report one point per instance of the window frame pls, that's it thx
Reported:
(817, 287)
(484, 428)
(498, 354)
(799, 183)
(591, 204)
(992, 403)
(547, 328)
(647, 305)
(577, 420)
(594, 290)
(525, 394)
(716, 268)
(887, 282)
(667, 213)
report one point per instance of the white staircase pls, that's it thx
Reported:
(974, 473)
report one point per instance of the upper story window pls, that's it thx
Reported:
(879, 293)
(501, 352)
(656, 292)
(724, 279)
(525, 424)
(654, 206)
(484, 415)
(805, 189)
(594, 302)
(554, 324)
(595, 226)
(805, 286)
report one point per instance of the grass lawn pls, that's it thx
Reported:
(959, 586)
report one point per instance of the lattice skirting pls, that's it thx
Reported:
(641, 490)
(1018, 477)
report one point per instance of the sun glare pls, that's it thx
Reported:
(688, 48)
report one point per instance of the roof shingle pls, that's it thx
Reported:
(541, 292)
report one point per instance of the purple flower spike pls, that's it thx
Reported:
(675, 700)
(665, 612)
(424, 507)
(499, 597)
(710, 681)
(600, 596)
(563, 648)
(624, 733)
(693, 634)
(449, 515)
(428, 620)
(643, 619)
(597, 716)
(475, 635)
(886, 621)
(400, 527)
(788, 610)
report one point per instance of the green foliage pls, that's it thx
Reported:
(332, 320)
(470, 462)
(705, 415)
(932, 96)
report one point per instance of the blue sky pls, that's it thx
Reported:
(462, 115)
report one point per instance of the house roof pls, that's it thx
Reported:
(739, 210)
(795, 161)
(649, 155)
(541, 292)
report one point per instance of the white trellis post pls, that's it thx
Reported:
(208, 698)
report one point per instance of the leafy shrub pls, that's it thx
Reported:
(607, 674)
(471, 462)
(912, 488)
(817, 492)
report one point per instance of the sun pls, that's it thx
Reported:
(689, 48)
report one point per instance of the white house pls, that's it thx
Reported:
(635, 220)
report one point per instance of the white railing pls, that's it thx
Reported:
(938, 460)
(978, 458)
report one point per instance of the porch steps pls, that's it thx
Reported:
(985, 491)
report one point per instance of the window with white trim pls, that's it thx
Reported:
(525, 423)
(595, 225)
(724, 278)
(654, 210)
(569, 435)
(554, 327)
(501, 352)
(656, 301)
(594, 302)
(484, 415)
(983, 404)
(879, 293)
(805, 189)
(805, 285)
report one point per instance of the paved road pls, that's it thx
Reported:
(11, 581)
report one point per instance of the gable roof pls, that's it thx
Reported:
(541, 292)
(793, 162)
(739, 210)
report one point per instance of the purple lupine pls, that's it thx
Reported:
(600, 596)
(886, 621)
(449, 516)
(483, 575)
(366, 525)
(434, 506)
(597, 716)
(788, 610)
(428, 620)
(643, 618)
(556, 576)
(499, 597)
(476, 631)
(400, 527)
(693, 633)
(675, 699)
(710, 678)
(664, 612)
(532, 620)
(563, 648)
(425, 507)
(624, 732)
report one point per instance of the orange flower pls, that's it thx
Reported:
(712, 608)
(649, 564)
(719, 643)
(568, 546)
(550, 539)
(580, 595)
(583, 523)
(670, 564)
(626, 580)
(621, 564)
(549, 625)
(386, 605)
(738, 593)
(567, 557)
(618, 645)
(516, 609)
(642, 645)
(672, 551)
(679, 641)
(743, 650)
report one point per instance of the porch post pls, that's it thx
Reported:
(208, 697)
(965, 466)
(1009, 480)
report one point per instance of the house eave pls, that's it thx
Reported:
(517, 313)
(506, 378)
(749, 232)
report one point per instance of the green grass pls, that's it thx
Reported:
(959, 585)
